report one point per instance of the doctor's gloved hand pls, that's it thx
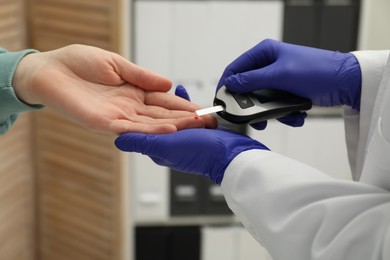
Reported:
(328, 78)
(205, 152)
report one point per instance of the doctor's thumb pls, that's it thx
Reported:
(134, 142)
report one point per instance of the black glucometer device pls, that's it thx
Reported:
(258, 106)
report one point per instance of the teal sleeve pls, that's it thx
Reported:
(10, 105)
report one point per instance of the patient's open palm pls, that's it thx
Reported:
(104, 92)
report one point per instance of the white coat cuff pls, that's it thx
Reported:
(357, 124)
(273, 166)
(372, 64)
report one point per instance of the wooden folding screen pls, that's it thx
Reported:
(80, 202)
(17, 239)
(56, 23)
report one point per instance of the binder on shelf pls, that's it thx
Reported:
(185, 243)
(152, 243)
(185, 194)
(301, 22)
(214, 201)
(339, 26)
(326, 24)
(167, 243)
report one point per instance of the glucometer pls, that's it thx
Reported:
(257, 106)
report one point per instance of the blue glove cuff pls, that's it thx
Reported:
(352, 89)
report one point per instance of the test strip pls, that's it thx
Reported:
(209, 110)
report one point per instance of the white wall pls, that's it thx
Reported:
(192, 42)
(374, 25)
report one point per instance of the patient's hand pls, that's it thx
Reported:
(104, 92)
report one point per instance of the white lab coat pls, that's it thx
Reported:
(300, 213)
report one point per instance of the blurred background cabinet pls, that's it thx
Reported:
(326, 24)
(191, 42)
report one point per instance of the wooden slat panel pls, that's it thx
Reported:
(57, 227)
(17, 234)
(66, 174)
(79, 194)
(56, 40)
(12, 27)
(80, 204)
(73, 27)
(90, 4)
(17, 229)
(57, 23)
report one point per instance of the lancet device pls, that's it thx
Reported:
(257, 106)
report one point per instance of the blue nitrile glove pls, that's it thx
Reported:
(181, 91)
(328, 78)
(205, 152)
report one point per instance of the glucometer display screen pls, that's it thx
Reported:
(269, 95)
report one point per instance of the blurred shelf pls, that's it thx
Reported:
(191, 220)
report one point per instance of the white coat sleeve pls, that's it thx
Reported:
(299, 213)
(358, 124)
